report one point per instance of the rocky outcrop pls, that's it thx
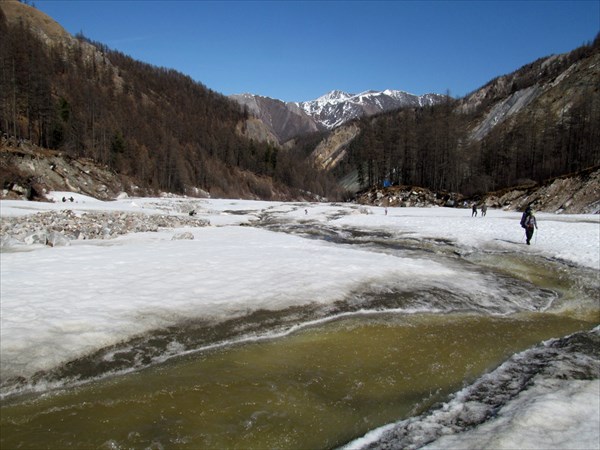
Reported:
(332, 150)
(45, 27)
(503, 109)
(574, 194)
(408, 196)
(27, 171)
(59, 228)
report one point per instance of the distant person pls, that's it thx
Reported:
(474, 213)
(483, 210)
(528, 222)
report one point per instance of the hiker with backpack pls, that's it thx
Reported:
(528, 222)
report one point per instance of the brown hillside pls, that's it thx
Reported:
(49, 30)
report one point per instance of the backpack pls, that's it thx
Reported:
(524, 218)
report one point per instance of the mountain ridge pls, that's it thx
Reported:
(338, 107)
(287, 120)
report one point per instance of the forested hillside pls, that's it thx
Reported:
(539, 122)
(156, 125)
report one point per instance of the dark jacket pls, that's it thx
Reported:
(525, 215)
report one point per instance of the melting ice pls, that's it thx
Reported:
(62, 303)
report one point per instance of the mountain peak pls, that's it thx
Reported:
(334, 96)
(338, 107)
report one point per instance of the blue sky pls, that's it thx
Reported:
(297, 51)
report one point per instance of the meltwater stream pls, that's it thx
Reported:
(317, 388)
(305, 377)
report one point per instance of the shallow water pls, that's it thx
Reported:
(317, 388)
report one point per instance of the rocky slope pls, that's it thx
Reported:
(572, 194)
(284, 121)
(28, 171)
(557, 85)
(332, 149)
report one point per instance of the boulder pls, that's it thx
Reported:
(56, 239)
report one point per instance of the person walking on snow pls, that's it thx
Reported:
(474, 213)
(529, 224)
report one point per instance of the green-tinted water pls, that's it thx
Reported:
(317, 388)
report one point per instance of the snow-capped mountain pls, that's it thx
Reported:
(287, 120)
(337, 107)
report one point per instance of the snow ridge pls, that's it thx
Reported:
(338, 107)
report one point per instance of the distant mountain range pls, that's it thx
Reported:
(336, 108)
(287, 120)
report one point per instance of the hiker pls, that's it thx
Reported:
(529, 222)
(525, 215)
(474, 213)
(483, 210)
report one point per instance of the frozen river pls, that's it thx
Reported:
(301, 326)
